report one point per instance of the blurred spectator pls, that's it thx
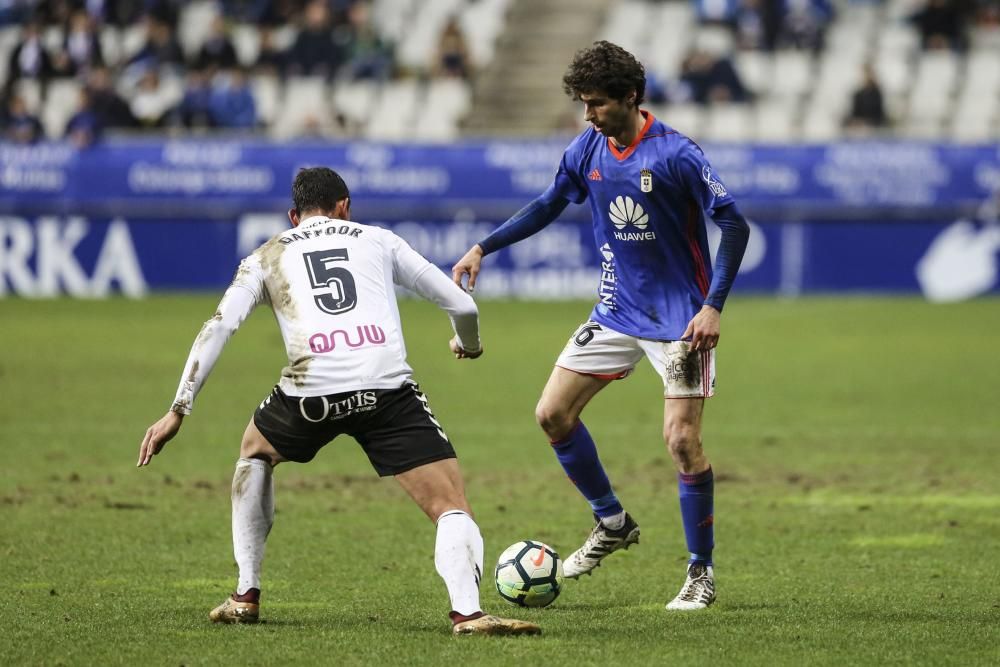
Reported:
(84, 126)
(805, 23)
(231, 102)
(29, 60)
(152, 100)
(118, 13)
(452, 52)
(867, 106)
(19, 125)
(942, 24)
(13, 12)
(265, 13)
(217, 51)
(111, 110)
(81, 46)
(160, 48)
(709, 79)
(270, 59)
(368, 56)
(716, 12)
(314, 52)
(194, 111)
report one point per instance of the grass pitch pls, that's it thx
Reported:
(856, 444)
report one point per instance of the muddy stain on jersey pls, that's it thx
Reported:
(279, 291)
(194, 371)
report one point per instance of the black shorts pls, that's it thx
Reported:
(395, 427)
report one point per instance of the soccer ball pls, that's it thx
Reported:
(529, 574)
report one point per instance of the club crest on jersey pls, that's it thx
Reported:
(624, 212)
(646, 180)
(717, 188)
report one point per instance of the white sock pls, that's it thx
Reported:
(458, 557)
(253, 514)
(615, 521)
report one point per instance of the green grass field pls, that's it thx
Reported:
(856, 444)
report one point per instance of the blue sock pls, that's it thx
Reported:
(578, 456)
(697, 493)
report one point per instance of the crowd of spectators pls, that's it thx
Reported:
(160, 86)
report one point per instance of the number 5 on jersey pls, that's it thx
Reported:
(324, 273)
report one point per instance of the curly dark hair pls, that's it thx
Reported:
(318, 189)
(606, 68)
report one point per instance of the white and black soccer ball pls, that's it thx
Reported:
(529, 574)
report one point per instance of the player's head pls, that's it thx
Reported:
(610, 82)
(319, 191)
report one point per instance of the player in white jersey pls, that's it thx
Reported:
(330, 284)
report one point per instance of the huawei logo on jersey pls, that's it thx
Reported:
(624, 211)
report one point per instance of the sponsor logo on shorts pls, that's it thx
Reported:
(368, 334)
(319, 408)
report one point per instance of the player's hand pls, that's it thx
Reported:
(703, 329)
(469, 264)
(461, 353)
(158, 435)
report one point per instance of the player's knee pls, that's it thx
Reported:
(251, 448)
(682, 438)
(556, 422)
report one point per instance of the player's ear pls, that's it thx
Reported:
(293, 216)
(343, 210)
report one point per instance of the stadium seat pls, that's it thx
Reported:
(756, 70)
(111, 45)
(193, 25)
(686, 118)
(483, 22)
(626, 26)
(729, 122)
(774, 122)
(818, 126)
(267, 96)
(9, 38)
(31, 92)
(894, 73)
(793, 73)
(246, 42)
(61, 101)
(355, 99)
(303, 108)
(419, 44)
(394, 116)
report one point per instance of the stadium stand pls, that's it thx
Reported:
(728, 70)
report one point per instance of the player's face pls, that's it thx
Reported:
(609, 116)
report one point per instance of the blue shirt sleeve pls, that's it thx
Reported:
(735, 235)
(567, 187)
(702, 183)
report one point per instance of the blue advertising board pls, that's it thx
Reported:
(135, 216)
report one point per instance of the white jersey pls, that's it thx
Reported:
(330, 285)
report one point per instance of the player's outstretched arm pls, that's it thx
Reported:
(531, 219)
(158, 435)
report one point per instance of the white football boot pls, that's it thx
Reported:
(602, 542)
(698, 591)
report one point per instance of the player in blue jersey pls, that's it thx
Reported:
(649, 189)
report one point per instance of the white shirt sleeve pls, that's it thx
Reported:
(412, 270)
(243, 295)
